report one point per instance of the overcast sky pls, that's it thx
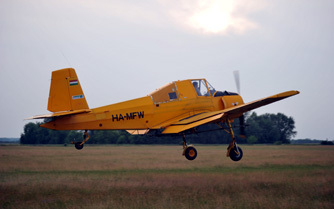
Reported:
(125, 49)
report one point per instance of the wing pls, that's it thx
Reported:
(222, 115)
(193, 121)
(233, 111)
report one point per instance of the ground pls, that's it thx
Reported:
(286, 176)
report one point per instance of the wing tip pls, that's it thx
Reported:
(295, 91)
(288, 93)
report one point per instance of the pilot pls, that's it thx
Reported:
(197, 89)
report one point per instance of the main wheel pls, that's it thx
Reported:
(190, 153)
(78, 145)
(233, 154)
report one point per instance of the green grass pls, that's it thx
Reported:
(160, 177)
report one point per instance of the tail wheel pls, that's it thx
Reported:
(190, 153)
(236, 153)
(78, 145)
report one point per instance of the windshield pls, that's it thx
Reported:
(211, 89)
(201, 87)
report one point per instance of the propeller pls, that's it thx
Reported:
(242, 126)
(237, 80)
(242, 117)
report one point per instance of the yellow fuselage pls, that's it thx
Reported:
(154, 111)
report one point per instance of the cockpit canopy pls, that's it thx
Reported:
(185, 89)
(167, 93)
(203, 88)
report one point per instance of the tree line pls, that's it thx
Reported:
(260, 129)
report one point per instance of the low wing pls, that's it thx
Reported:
(234, 112)
(222, 115)
(193, 121)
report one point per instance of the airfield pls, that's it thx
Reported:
(286, 176)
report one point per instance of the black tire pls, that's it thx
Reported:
(190, 153)
(234, 156)
(78, 145)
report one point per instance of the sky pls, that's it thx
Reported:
(125, 49)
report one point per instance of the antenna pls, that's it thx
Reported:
(69, 64)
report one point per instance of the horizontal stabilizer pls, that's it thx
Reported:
(58, 114)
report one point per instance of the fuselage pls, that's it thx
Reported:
(168, 104)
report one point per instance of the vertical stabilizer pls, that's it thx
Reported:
(65, 92)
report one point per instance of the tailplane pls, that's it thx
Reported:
(65, 92)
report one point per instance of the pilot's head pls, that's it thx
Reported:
(195, 84)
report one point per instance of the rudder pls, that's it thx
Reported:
(65, 92)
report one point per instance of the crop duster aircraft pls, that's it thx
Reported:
(178, 107)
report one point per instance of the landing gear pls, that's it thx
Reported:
(80, 145)
(236, 153)
(189, 151)
(233, 151)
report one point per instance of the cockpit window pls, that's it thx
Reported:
(200, 87)
(211, 89)
(167, 93)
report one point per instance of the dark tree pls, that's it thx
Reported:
(34, 134)
(271, 128)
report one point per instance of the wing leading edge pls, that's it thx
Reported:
(222, 115)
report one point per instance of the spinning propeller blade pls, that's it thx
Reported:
(237, 80)
(242, 126)
(241, 118)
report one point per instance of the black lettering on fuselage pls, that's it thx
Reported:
(128, 116)
(120, 117)
(141, 114)
(114, 118)
(134, 114)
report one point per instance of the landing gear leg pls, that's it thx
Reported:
(233, 151)
(189, 151)
(80, 145)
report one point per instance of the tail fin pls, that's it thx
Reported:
(65, 92)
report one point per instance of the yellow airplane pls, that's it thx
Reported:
(176, 108)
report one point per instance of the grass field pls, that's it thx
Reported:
(159, 177)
